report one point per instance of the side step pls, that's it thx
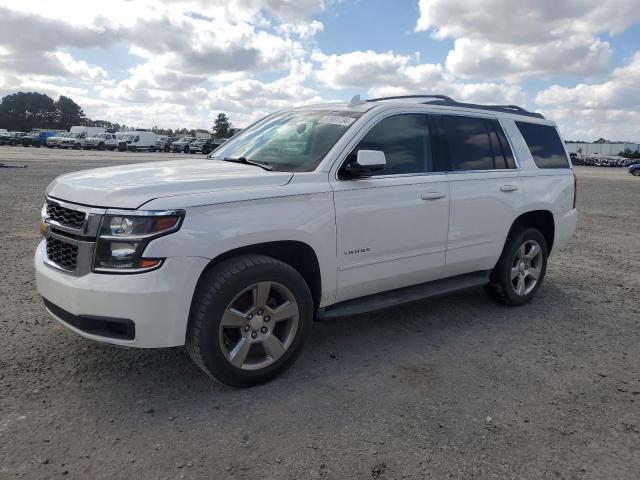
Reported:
(391, 298)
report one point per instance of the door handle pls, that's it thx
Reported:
(432, 195)
(508, 188)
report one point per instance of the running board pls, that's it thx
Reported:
(413, 293)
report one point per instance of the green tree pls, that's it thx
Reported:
(221, 126)
(68, 113)
(25, 111)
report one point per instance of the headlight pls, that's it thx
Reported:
(123, 238)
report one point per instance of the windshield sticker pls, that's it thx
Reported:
(335, 120)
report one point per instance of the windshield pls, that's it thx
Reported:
(74, 135)
(127, 138)
(290, 141)
(185, 139)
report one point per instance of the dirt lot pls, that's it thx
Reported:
(456, 387)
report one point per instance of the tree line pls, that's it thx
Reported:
(25, 111)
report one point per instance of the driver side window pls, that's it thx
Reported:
(405, 141)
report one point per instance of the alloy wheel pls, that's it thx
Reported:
(259, 325)
(526, 267)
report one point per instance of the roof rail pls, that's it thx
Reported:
(399, 97)
(448, 101)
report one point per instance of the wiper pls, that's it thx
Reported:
(244, 160)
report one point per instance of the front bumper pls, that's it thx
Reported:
(156, 302)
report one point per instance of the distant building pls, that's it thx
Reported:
(607, 148)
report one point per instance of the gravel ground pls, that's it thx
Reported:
(454, 387)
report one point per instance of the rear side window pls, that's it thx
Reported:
(545, 145)
(405, 141)
(475, 143)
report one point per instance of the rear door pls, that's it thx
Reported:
(486, 191)
(392, 227)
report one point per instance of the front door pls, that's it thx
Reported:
(392, 227)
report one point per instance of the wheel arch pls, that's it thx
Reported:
(299, 255)
(540, 219)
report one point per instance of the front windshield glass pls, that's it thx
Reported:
(289, 141)
(74, 135)
(127, 138)
(185, 139)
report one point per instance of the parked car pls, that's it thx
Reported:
(310, 213)
(102, 141)
(56, 140)
(78, 136)
(163, 142)
(202, 145)
(635, 170)
(138, 140)
(182, 145)
(37, 138)
(11, 138)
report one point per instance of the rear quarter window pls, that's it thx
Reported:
(544, 144)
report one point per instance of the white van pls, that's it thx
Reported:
(138, 140)
(78, 135)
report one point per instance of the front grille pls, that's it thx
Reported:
(63, 254)
(65, 216)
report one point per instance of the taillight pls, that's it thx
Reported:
(575, 189)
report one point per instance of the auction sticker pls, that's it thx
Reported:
(336, 120)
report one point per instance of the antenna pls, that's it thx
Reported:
(355, 101)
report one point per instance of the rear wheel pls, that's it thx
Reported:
(521, 268)
(249, 320)
(186, 149)
(636, 172)
(101, 146)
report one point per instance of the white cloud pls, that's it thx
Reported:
(385, 74)
(608, 109)
(503, 39)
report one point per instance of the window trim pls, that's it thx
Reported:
(374, 122)
(569, 165)
(441, 132)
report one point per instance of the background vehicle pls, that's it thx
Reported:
(138, 140)
(182, 145)
(11, 138)
(325, 211)
(56, 140)
(78, 136)
(162, 143)
(202, 145)
(37, 138)
(102, 141)
(635, 170)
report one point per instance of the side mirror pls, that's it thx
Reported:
(366, 164)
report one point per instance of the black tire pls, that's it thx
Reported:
(101, 146)
(152, 149)
(501, 286)
(216, 291)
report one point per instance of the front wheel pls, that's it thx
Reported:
(636, 172)
(521, 268)
(249, 319)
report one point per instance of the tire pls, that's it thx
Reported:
(134, 149)
(101, 146)
(636, 172)
(186, 149)
(152, 149)
(513, 280)
(228, 289)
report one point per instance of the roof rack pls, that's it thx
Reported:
(448, 101)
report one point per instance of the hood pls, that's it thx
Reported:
(130, 186)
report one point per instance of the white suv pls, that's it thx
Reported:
(102, 141)
(323, 211)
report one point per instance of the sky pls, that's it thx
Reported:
(174, 63)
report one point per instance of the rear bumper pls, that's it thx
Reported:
(565, 228)
(153, 307)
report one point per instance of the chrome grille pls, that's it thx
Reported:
(65, 216)
(64, 255)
